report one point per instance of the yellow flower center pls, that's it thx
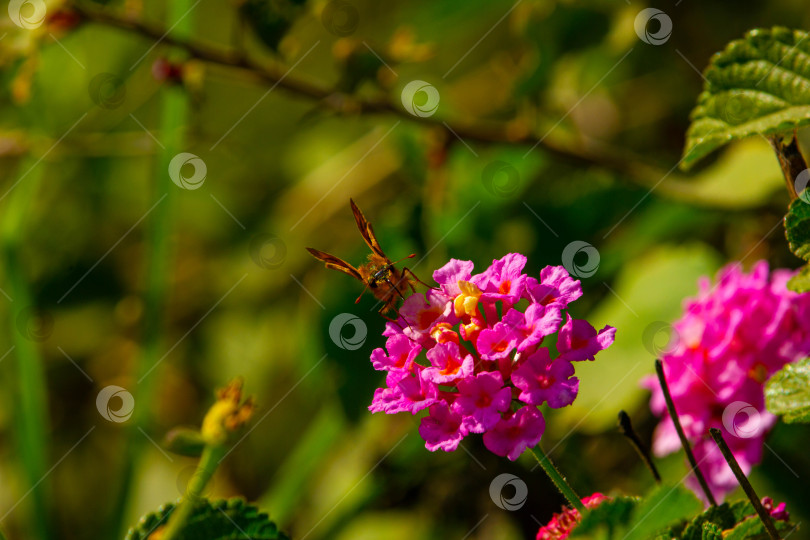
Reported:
(466, 303)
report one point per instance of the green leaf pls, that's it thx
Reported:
(753, 529)
(612, 515)
(725, 516)
(659, 510)
(741, 511)
(797, 228)
(787, 393)
(230, 519)
(627, 518)
(711, 532)
(757, 85)
(800, 283)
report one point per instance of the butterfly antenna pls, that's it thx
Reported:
(411, 256)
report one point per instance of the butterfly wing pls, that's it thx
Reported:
(335, 263)
(367, 231)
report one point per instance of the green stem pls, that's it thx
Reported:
(557, 477)
(673, 414)
(31, 416)
(746, 485)
(626, 427)
(154, 302)
(209, 461)
(174, 112)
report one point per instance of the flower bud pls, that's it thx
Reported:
(227, 415)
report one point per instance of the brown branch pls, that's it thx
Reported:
(201, 51)
(790, 160)
(578, 153)
(484, 132)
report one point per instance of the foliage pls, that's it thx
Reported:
(630, 518)
(758, 85)
(612, 515)
(665, 514)
(753, 529)
(724, 516)
(212, 520)
(797, 228)
(787, 393)
(800, 283)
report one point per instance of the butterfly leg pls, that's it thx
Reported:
(409, 271)
(396, 287)
(395, 321)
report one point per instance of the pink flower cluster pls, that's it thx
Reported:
(561, 525)
(487, 363)
(730, 340)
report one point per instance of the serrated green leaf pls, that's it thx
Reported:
(800, 283)
(659, 510)
(741, 511)
(654, 516)
(611, 515)
(230, 519)
(711, 532)
(757, 85)
(787, 393)
(753, 529)
(797, 228)
(726, 516)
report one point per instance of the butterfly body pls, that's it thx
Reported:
(380, 275)
(379, 271)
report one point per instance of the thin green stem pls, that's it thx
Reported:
(206, 468)
(673, 414)
(626, 427)
(31, 416)
(173, 118)
(157, 272)
(556, 476)
(746, 485)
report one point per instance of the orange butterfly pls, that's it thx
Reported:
(379, 274)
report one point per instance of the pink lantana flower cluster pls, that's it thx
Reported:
(476, 354)
(730, 340)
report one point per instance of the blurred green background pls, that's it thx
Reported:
(114, 275)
